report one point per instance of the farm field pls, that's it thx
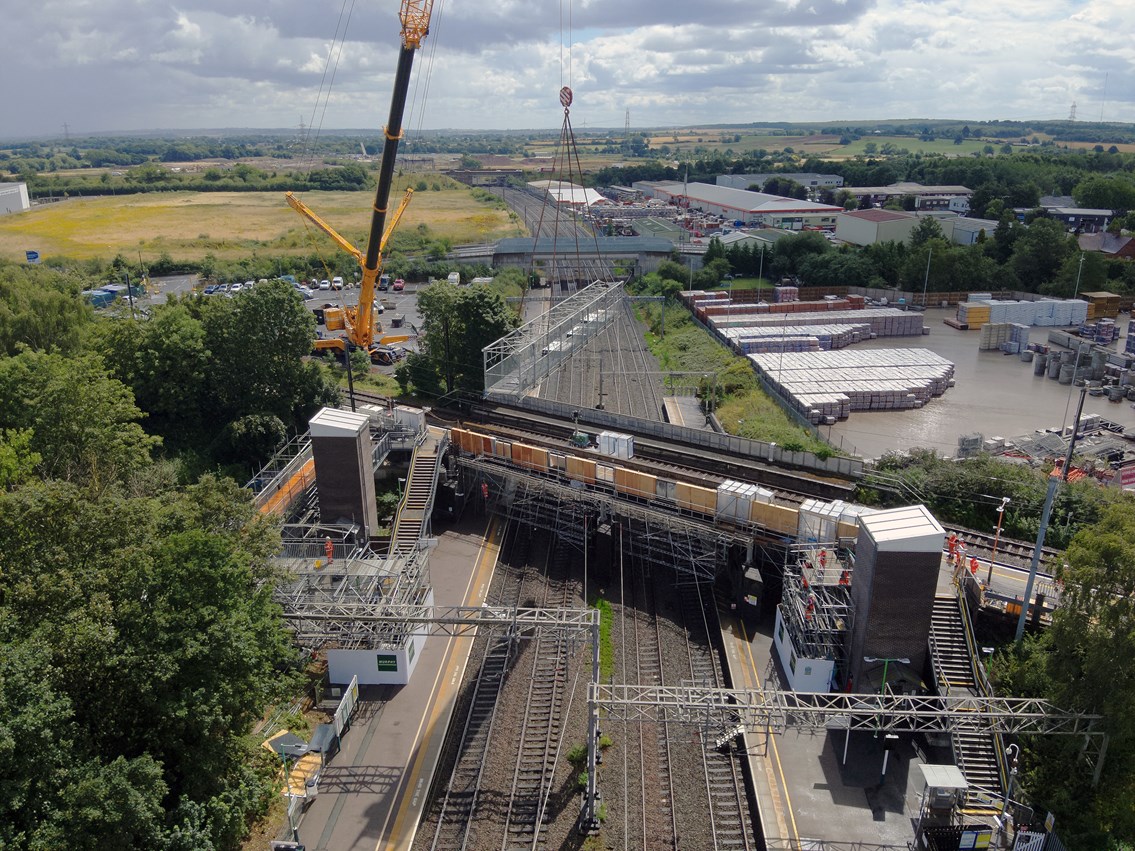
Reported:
(229, 225)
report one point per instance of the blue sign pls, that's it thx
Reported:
(33, 256)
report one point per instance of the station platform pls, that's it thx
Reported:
(373, 791)
(806, 793)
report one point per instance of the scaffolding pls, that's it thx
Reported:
(322, 599)
(816, 602)
(694, 547)
(515, 363)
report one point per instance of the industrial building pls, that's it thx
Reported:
(813, 182)
(563, 192)
(867, 227)
(925, 197)
(751, 208)
(14, 198)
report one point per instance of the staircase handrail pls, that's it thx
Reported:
(981, 680)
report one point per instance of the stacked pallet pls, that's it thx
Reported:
(751, 340)
(884, 321)
(1047, 312)
(822, 384)
(787, 294)
(1009, 337)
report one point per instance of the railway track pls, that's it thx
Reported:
(729, 819)
(536, 759)
(457, 812)
(655, 824)
(1009, 551)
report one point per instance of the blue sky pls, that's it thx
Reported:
(133, 65)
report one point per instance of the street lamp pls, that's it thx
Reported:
(1079, 272)
(1011, 753)
(996, 538)
(886, 663)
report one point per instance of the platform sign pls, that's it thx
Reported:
(1049, 822)
(975, 838)
(33, 256)
(387, 662)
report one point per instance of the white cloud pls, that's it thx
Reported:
(124, 65)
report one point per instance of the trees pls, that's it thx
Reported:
(1086, 662)
(83, 424)
(458, 323)
(1038, 253)
(138, 647)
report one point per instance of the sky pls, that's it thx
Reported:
(138, 65)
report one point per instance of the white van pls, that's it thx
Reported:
(337, 283)
(454, 278)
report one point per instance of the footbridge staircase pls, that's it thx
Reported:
(412, 522)
(957, 672)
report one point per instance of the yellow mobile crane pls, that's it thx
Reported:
(360, 324)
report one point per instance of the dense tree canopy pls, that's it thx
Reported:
(459, 322)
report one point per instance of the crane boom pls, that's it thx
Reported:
(305, 211)
(415, 18)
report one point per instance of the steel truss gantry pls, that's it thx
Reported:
(455, 621)
(320, 602)
(671, 540)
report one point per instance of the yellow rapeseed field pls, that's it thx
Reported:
(229, 225)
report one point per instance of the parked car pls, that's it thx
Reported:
(325, 284)
(236, 288)
(384, 283)
(306, 292)
(212, 288)
(398, 285)
(336, 283)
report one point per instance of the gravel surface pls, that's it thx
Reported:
(650, 768)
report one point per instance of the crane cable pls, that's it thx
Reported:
(319, 108)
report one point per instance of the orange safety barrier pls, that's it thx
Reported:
(291, 490)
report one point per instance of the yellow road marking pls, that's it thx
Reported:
(488, 547)
(772, 741)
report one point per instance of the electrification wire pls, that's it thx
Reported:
(324, 93)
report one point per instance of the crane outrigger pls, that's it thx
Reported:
(360, 323)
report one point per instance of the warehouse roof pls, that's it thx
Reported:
(742, 200)
(880, 215)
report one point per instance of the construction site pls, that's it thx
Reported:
(596, 619)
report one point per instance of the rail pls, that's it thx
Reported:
(848, 468)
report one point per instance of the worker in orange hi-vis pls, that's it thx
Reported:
(823, 558)
(973, 566)
(329, 550)
(952, 543)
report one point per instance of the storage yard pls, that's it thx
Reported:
(822, 385)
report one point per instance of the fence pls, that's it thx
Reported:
(743, 447)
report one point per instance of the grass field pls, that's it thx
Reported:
(230, 225)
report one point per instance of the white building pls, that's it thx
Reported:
(563, 192)
(813, 182)
(14, 198)
(750, 208)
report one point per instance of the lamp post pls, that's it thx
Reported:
(996, 538)
(1011, 752)
(1079, 272)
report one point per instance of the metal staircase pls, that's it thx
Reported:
(978, 755)
(413, 521)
